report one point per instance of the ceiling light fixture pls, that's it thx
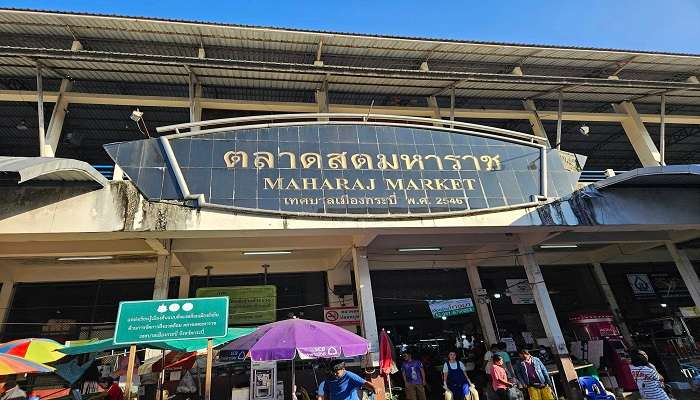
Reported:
(411, 249)
(267, 253)
(85, 258)
(496, 295)
(558, 246)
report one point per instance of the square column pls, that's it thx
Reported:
(567, 374)
(365, 299)
(161, 285)
(6, 293)
(685, 267)
(602, 280)
(482, 307)
(184, 287)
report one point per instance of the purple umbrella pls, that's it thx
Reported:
(284, 340)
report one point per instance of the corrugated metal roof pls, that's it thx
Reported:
(23, 169)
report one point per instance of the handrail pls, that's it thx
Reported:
(347, 116)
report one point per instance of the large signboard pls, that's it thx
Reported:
(348, 170)
(162, 320)
(248, 304)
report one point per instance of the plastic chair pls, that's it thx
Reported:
(592, 389)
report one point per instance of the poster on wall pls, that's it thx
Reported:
(520, 291)
(263, 380)
(247, 304)
(641, 285)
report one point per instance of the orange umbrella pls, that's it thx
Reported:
(13, 365)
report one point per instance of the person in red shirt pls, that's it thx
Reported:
(499, 378)
(114, 392)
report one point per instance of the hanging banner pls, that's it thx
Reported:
(341, 315)
(520, 291)
(641, 285)
(452, 307)
(247, 304)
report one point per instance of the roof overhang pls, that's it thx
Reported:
(17, 170)
(670, 175)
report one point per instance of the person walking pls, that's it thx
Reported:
(342, 384)
(414, 377)
(507, 364)
(648, 379)
(532, 373)
(454, 376)
(499, 377)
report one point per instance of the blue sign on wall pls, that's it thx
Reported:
(354, 170)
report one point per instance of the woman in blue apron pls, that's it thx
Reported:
(454, 377)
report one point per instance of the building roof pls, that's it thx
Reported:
(18, 170)
(146, 56)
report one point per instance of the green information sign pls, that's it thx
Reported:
(162, 320)
(248, 304)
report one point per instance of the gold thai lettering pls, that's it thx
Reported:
(437, 159)
(410, 161)
(233, 158)
(493, 163)
(456, 163)
(310, 159)
(360, 161)
(338, 160)
(477, 167)
(292, 158)
(264, 159)
(384, 163)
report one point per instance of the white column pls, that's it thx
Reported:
(567, 374)
(6, 293)
(162, 278)
(602, 280)
(685, 267)
(534, 118)
(58, 116)
(184, 287)
(340, 276)
(482, 308)
(363, 286)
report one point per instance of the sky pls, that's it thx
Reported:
(652, 25)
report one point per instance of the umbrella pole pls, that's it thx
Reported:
(294, 383)
(130, 370)
(207, 375)
(161, 376)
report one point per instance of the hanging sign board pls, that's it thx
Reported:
(452, 307)
(520, 291)
(641, 285)
(162, 320)
(341, 315)
(248, 304)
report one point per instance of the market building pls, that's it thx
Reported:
(553, 187)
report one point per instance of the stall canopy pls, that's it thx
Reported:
(186, 345)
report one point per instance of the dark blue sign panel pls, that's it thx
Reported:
(346, 170)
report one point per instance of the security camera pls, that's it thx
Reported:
(584, 130)
(136, 115)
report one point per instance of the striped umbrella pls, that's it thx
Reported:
(37, 350)
(12, 365)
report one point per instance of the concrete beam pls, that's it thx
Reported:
(261, 243)
(534, 118)
(638, 135)
(87, 248)
(58, 116)
(291, 107)
(687, 271)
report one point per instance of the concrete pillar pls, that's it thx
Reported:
(6, 293)
(184, 287)
(162, 278)
(638, 135)
(482, 308)
(685, 267)
(363, 288)
(567, 374)
(602, 280)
